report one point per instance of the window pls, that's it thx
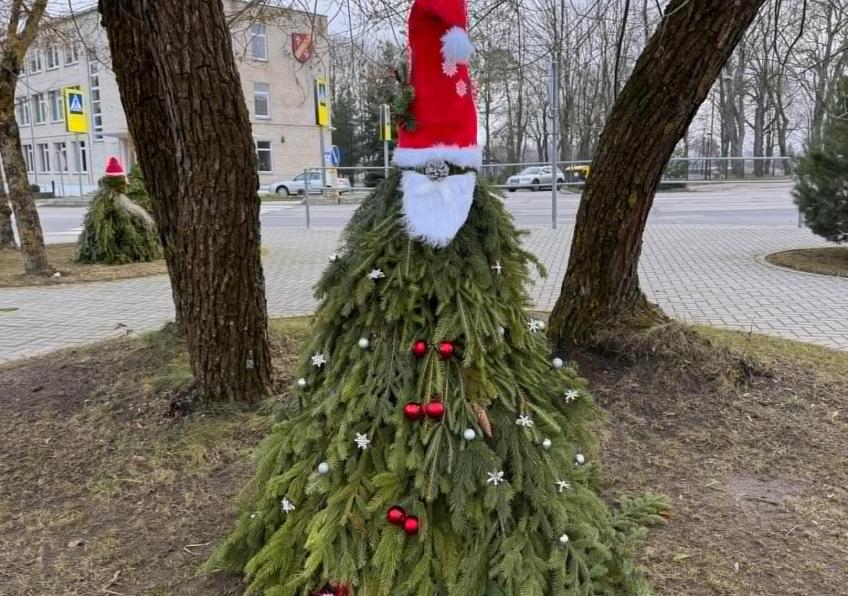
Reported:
(61, 150)
(33, 62)
(39, 108)
(53, 58)
(28, 157)
(263, 154)
(22, 113)
(72, 53)
(262, 100)
(43, 157)
(258, 42)
(80, 156)
(57, 106)
(94, 89)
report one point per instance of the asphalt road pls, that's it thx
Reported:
(732, 204)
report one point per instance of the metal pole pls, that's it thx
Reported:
(554, 104)
(79, 161)
(323, 161)
(386, 158)
(306, 173)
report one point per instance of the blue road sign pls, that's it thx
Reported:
(76, 103)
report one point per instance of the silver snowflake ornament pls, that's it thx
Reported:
(449, 68)
(287, 505)
(562, 485)
(525, 421)
(318, 359)
(497, 268)
(495, 478)
(436, 170)
(362, 441)
(376, 274)
(534, 326)
(571, 395)
(461, 88)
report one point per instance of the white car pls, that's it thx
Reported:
(534, 178)
(296, 185)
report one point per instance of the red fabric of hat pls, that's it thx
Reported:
(114, 167)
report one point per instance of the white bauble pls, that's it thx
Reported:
(468, 434)
(557, 363)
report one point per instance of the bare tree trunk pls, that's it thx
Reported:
(20, 197)
(672, 78)
(186, 111)
(7, 235)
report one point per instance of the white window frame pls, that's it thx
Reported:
(258, 31)
(57, 106)
(72, 53)
(60, 148)
(37, 56)
(23, 114)
(39, 106)
(76, 148)
(270, 151)
(43, 150)
(257, 93)
(52, 53)
(94, 87)
(29, 157)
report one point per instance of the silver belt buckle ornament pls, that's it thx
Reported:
(436, 170)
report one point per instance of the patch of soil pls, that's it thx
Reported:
(102, 491)
(832, 260)
(61, 257)
(753, 466)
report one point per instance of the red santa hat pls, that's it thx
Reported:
(114, 168)
(440, 155)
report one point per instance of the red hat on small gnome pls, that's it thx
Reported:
(440, 155)
(114, 168)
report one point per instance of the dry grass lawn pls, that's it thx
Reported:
(832, 260)
(104, 493)
(60, 257)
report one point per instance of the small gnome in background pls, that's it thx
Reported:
(116, 230)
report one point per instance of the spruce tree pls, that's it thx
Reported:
(436, 447)
(116, 230)
(821, 187)
(427, 387)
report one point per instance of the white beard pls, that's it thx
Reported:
(435, 211)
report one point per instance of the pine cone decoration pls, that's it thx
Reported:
(483, 420)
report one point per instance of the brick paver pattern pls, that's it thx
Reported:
(699, 274)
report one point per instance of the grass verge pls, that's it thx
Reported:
(61, 257)
(832, 260)
(103, 493)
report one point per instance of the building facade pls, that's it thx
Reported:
(279, 54)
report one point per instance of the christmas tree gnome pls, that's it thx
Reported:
(435, 449)
(116, 230)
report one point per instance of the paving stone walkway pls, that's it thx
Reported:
(700, 274)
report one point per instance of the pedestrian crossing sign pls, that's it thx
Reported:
(75, 116)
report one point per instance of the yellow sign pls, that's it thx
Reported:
(385, 123)
(76, 119)
(322, 102)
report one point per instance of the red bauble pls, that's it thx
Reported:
(413, 411)
(340, 590)
(411, 525)
(434, 409)
(396, 516)
(419, 348)
(446, 350)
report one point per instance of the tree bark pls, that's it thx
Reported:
(187, 114)
(20, 197)
(7, 235)
(670, 81)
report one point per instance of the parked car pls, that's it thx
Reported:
(577, 173)
(296, 185)
(535, 178)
